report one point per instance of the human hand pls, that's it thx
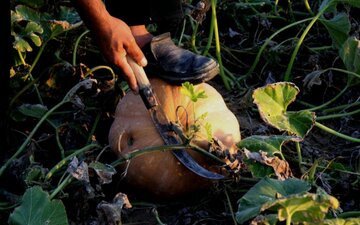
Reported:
(116, 41)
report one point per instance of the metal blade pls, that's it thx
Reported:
(163, 125)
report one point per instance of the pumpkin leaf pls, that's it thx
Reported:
(339, 221)
(264, 194)
(273, 100)
(37, 208)
(307, 207)
(259, 170)
(270, 144)
(269, 219)
(31, 32)
(338, 28)
(52, 25)
(36, 110)
(188, 89)
(350, 54)
(281, 167)
(208, 129)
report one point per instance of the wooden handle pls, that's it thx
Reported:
(139, 72)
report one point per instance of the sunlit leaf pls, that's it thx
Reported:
(188, 89)
(339, 221)
(306, 207)
(273, 100)
(37, 208)
(266, 191)
(22, 45)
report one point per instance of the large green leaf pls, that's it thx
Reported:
(31, 31)
(266, 192)
(273, 100)
(338, 28)
(270, 144)
(306, 207)
(52, 25)
(350, 54)
(330, 5)
(37, 208)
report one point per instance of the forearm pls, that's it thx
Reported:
(93, 13)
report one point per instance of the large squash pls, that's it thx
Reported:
(160, 173)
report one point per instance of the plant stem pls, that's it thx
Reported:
(63, 161)
(32, 82)
(92, 131)
(341, 107)
(268, 40)
(230, 206)
(63, 184)
(350, 214)
(333, 132)
(334, 169)
(210, 38)
(77, 45)
(308, 8)
(62, 150)
(21, 58)
(193, 37)
(337, 115)
(330, 101)
(99, 68)
(298, 149)
(206, 153)
(156, 214)
(143, 151)
(287, 76)
(29, 137)
(217, 44)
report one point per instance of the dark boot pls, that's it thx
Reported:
(177, 65)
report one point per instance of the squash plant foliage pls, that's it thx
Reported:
(270, 201)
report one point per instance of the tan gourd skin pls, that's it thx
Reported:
(159, 173)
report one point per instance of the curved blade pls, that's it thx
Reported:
(185, 158)
(163, 124)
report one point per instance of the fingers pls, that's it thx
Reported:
(128, 73)
(134, 51)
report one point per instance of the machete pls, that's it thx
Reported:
(164, 125)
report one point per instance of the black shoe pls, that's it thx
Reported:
(177, 65)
